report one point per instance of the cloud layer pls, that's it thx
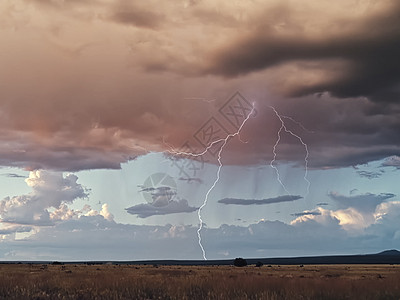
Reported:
(116, 79)
(47, 204)
(41, 226)
(328, 232)
(359, 59)
(50, 190)
(286, 198)
(145, 210)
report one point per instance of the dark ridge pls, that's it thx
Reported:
(389, 252)
(385, 257)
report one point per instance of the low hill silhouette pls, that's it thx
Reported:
(389, 252)
(384, 257)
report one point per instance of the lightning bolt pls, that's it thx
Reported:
(224, 141)
(220, 165)
(283, 127)
(297, 123)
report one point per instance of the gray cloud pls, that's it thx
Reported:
(146, 210)
(368, 52)
(49, 190)
(13, 175)
(365, 203)
(393, 161)
(370, 174)
(108, 240)
(306, 213)
(104, 239)
(191, 179)
(278, 199)
(14, 229)
(94, 105)
(164, 192)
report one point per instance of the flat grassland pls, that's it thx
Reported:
(70, 281)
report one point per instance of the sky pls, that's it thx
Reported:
(198, 129)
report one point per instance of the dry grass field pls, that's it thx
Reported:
(23, 281)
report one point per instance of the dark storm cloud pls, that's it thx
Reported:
(306, 213)
(13, 175)
(363, 203)
(369, 53)
(64, 158)
(363, 132)
(94, 105)
(279, 199)
(145, 210)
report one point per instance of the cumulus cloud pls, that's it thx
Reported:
(51, 192)
(324, 232)
(350, 220)
(63, 212)
(387, 223)
(322, 217)
(145, 210)
(355, 214)
(286, 198)
(105, 240)
(104, 212)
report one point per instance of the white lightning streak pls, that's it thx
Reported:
(283, 127)
(278, 177)
(297, 122)
(224, 142)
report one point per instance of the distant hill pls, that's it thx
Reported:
(384, 257)
(389, 252)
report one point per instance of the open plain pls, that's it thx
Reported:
(110, 281)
